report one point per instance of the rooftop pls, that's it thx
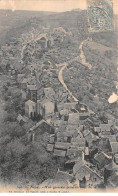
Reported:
(112, 138)
(62, 145)
(32, 87)
(38, 124)
(29, 102)
(114, 147)
(50, 147)
(49, 92)
(101, 157)
(73, 119)
(59, 153)
(105, 127)
(43, 38)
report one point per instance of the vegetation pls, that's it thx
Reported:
(22, 161)
(94, 86)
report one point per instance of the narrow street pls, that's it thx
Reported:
(83, 61)
(60, 77)
(82, 56)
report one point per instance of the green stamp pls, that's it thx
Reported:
(100, 15)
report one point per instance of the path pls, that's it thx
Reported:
(60, 77)
(82, 56)
(64, 65)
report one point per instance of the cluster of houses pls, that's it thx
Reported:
(90, 154)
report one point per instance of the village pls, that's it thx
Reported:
(90, 152)
(88, 146)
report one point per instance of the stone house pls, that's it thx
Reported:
(40, 128)
(83, 111)
(114, 147)
(30, 109)
(105, 127)
(42, 42)
(50, 147)
(112, 181)
(63, 136)
(102, 159)
(49, 93)
(74, 152)
(73, 119)
(45, 108)
(59, 153)
(20, 77)
(87, 178)
(70, 105)
(22, 119)
(59, 123)
(64, 114)
(109, 170)
(78, 141)
(62, 145)
(90, 138)
(32, 92)
(112, 138)
(27, 81)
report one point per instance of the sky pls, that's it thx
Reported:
(43, 5)
(48, 5)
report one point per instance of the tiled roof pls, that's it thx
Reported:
(73, 119)
(62, 145)
(29, 102)
(32, 87)
(78, 139)
(101, 157)
(114, 147)
(59, 123)
(105, 127)
(112, 138)
(82, 168)
(71, 105)
(50, 147)
(113, 179)
(38, 124)
(59, 153)
(112, 166)
(97, 129)
(64, 112)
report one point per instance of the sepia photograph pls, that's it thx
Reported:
(58, 96)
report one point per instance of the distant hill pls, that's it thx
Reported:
(12, 24)
(13, 20)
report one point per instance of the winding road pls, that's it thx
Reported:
(60, 77)
(81, 58)
(64, 65)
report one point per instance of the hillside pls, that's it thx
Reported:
(51, 50)
(17, 21)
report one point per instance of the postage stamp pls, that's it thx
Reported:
(100, 15)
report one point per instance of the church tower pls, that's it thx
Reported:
(86, 152)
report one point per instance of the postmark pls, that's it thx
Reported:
(100, 15)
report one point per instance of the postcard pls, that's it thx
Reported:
(58, 96)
